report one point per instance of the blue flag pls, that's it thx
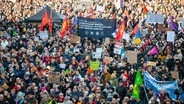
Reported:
(167, 86)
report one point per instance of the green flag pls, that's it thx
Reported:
(137, 83)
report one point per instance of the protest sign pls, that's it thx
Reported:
(132, 56)
(155, 18)
(53, 77)
(107, 60)
(96, 28)
(95, 65)
(96, 55)
(107, 40)
(170, 36)
(181, 24)
(117, 50)
(175, 74)
(75, 39)
(36, 38)
(100, 8)
(119, 45)
(44, 34)
(150, 63)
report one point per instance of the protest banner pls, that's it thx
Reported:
(75, 39)
(96, 28)
(168, 86)
(170, 36)
(132, 56)
(175, 74)
(94, 65)
(107, 60)
(155, 18)
(150, 63)
(53, 77)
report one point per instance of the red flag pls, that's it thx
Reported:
(145, 10)
(45, 20)
(120, 31)
(50, 22)
(64, 27)
(136, 29)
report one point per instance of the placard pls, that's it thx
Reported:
(100, 8)
(94, 65)
(150, 63)
(44, 34)
(132, 57)
(96, 55)
(107, 40)
(53, 77)
(119, 45)
(107, 60)
(175, 74)
(155, 18)
(170, 36)
(75, 39)
(117, 50)
(36, 38)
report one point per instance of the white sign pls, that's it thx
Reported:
(155, 18)
(126, 36)
(36, 38)
(117, 50)
(96, 55)
(170, 36)
(100, 8)
(119, 45)
(181, 24)
(44, 35)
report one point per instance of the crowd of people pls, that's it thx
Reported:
(25, 63)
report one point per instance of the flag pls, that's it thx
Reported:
(138, 37)
(137, 41)
(64, 27)
(45, 20)
(75, 26)
(138, 82)
(120, 31)
(172, 24)
(145, 10)
(50, 22)
(136, 29)
(153, 51)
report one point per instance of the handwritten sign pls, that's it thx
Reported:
(53, 77)
(117, 50)
(132, 57)
(75, 39)
(95, 65)
(155, 18)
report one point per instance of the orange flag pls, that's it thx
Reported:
(45, 20)
(145, 10)
(50, 22)
(120, 31)
(64, 27)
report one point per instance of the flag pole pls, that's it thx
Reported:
(145, 93)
